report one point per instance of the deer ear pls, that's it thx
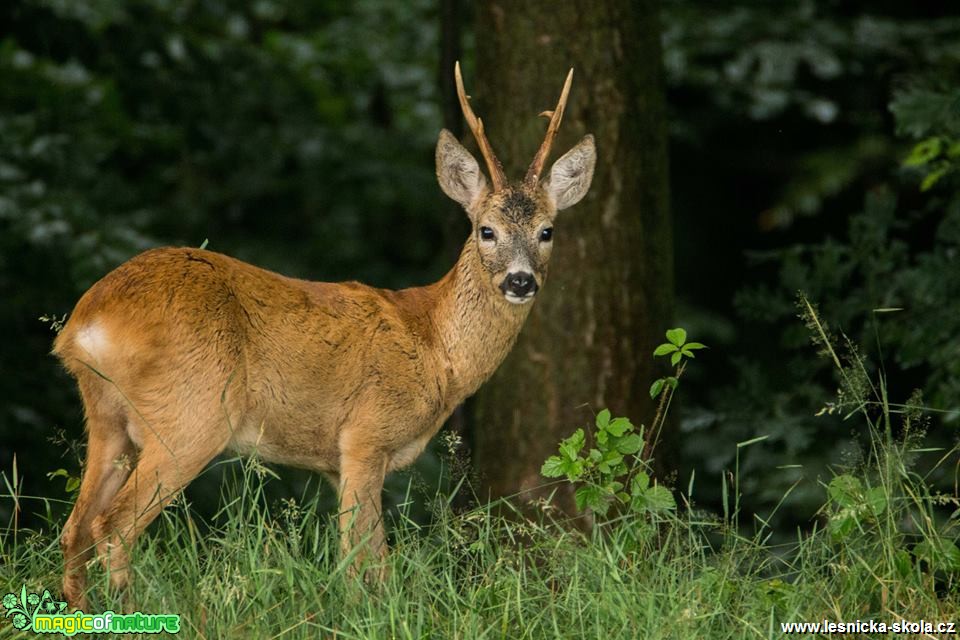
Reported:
(457, 171)
(570, 176)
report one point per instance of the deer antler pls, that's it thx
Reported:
(536, 167)
(476, 126)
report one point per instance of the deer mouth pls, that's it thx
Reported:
(513, 298)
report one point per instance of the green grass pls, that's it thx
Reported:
(265, 572)
(882, 548)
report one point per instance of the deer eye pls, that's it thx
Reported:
(546, 235)
(486, 233)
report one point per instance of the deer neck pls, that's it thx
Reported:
(476, 325)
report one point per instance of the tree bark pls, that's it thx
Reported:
(608, 298)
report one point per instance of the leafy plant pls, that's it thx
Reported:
(602, 471)
(610, 472)
(72, 485)
(880, 509)
(677, 348)
(855, 506)
(934, 157)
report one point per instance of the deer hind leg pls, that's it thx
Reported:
(165, 466)
(361, 518)
(110, 454)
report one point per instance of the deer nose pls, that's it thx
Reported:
(520, 284)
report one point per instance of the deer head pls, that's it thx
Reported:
(513, 222)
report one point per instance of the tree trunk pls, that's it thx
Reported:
(607, 301)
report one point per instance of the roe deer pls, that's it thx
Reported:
(182, 353)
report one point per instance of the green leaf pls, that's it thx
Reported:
(619, 426)
(942, 555)
(933, 177)
(612, 458)
(589, 496)
(672, 382)
(656, 387)
(694, 345)
(578, 439)
(580, 497)
(845, 490)
(677, 336)
(574, 470)
(841, 527)
(603, 419)
(903, 563)
(876, 500)
(639, 483)
(675, 358)
(951, 555)
(659, 498)
(554, 467)
(923, 152)
(689, 354)
(925, 551)
(664, 349)
(571, 447)
(72, 482)
(629, 444)
(953, 151)
(653, 500)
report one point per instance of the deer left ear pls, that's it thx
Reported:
(570, 176)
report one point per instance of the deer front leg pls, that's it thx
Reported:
(361, 522)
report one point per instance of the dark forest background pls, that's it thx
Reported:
(813, 146)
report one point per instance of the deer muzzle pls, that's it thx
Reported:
(519, 287)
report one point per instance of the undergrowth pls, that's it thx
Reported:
(882, 548)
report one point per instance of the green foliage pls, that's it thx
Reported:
(935, 158)
(613, 471)
(938, 554)
(876, 268)
(855, 506)
(882, 512)
(677, 348)
(788, 167)
(604, 472)
(72, 482)
(882, 262)
(934, 116)
(814, 75)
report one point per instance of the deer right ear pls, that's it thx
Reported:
(458, 172)
(571, 175)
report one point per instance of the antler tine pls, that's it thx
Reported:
(536, 167)
(476, 126)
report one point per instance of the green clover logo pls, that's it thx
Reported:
(22, 607)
